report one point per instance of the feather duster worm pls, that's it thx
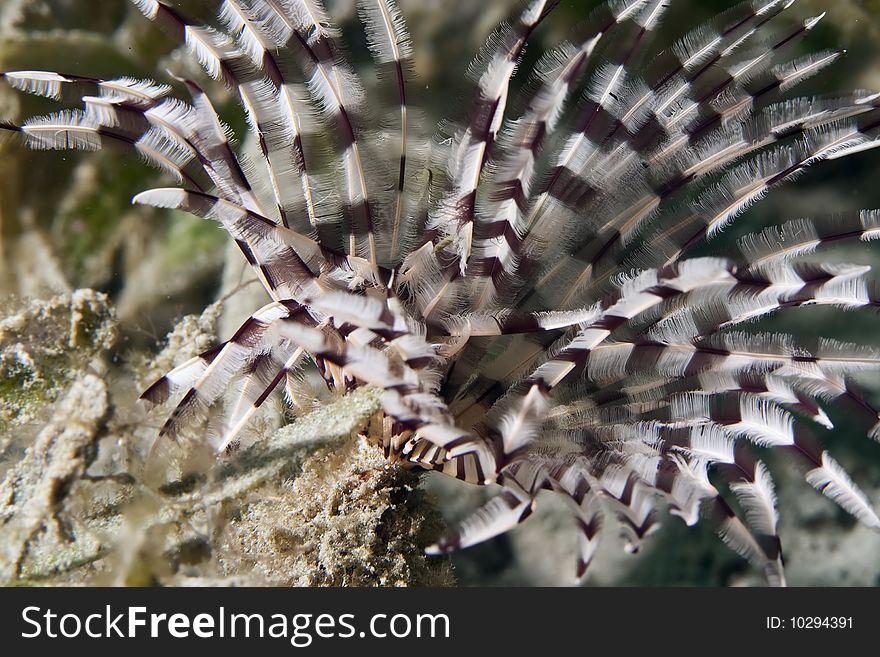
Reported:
(525, 297)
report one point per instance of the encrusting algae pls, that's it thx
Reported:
(76, 507)
(84, 498)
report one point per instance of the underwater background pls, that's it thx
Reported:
(97, 297)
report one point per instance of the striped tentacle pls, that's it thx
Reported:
(679, 165)
(141, 103)
(48, 84)
(499, 515)
(383, 324)
(406, 399)
(845, 288)
(225, 61)
(207, 376)
(643, 373)
(743, 85)
(510, 322)
(628, 481)
(853, 297)
(638, 295)
(748, 479)
(592, 490)
(771, 287)
(801, 389)
(619, 401)
(637, 463)
(259, 379)
(521, 482)
(569, 351)
(780, 244)
(684, 479)
(197, 128)
(720, 90)
(576, 486)
(606, 251)
(642, 468)
(684, 482)
(432, 277)
(832, 481)
(785, 120)
(155, 139)
(425, 436)
(717, 150)
(87, 130)
(636, 397)
(646, 372)
(775, 244)
(462, 204)
(668, 110)
(756, 294)
(178, 122)
(509, 433)
(745, 184)
(767, 425)
(564, 188)
(389, 43)
(731, 353)
(279, 111)
(498, 236)
(721, 204)
(782, 120)
(566, 204)
(308, 245)
(214, 141)
(664, 245)
(625, 399)
(182, 376)
(338, 93)
(572, 350)
(598, 259)
(471, 148)
(193, 131)
(742, 540)
(625, 483)
(230, 178)
(447, 283)
(693, 57)
(289, 263)
(306, 257)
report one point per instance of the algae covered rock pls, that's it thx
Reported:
(54, 405)
(311, 503)
(349, 519)
(33, 497)
(47, 344)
